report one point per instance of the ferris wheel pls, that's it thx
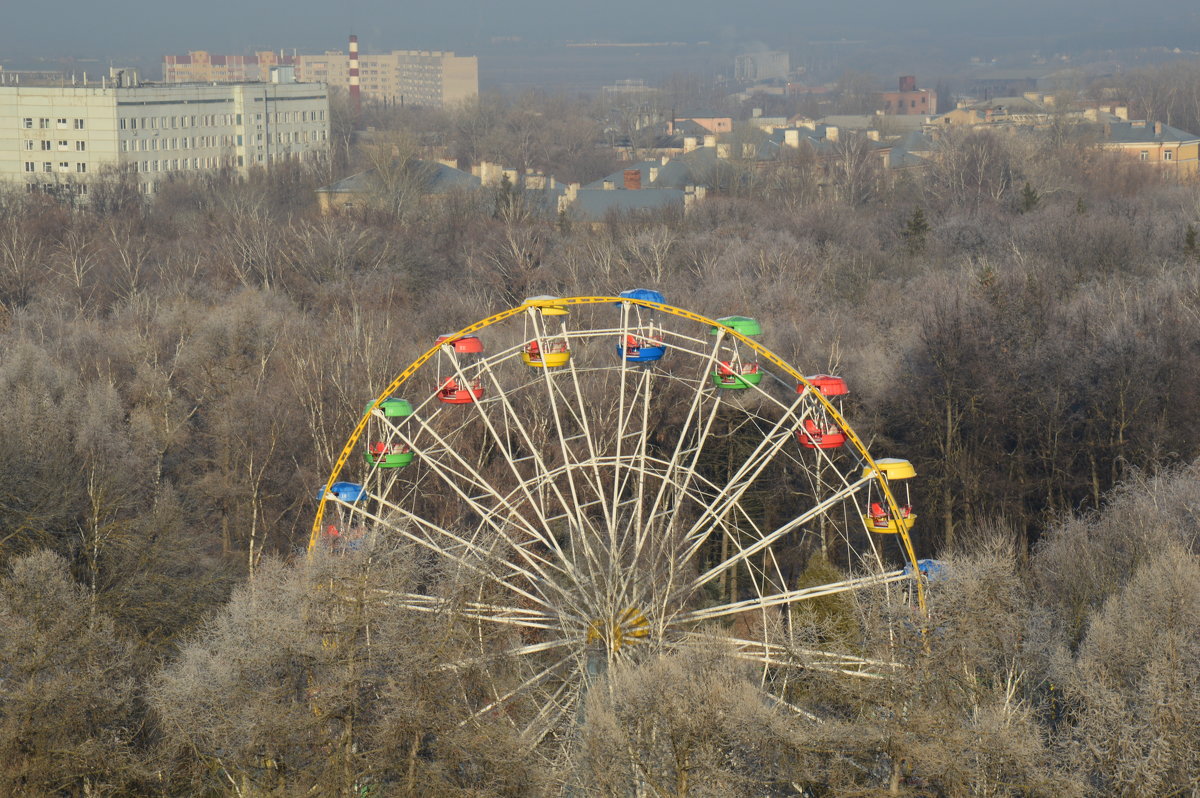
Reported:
(612, 477)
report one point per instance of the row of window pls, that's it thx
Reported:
(185, 143)
(1168, 155)
(63, 144)
(215, 120)
(48, 166)
(44, 123)
(227, 140)
(175, 164)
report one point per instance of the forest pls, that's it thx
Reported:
(1020, 320)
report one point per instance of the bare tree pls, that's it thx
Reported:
(68, 698)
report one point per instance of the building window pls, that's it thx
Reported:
(63, 166)
(64, 145)
(30, 166)
(79, 124)
(45, 145)
(80, 167)
(80, 146)
(1168, 155)
(62, 123)
(28, 122)
(1144, 155)
(29, 144)
(47, 166)
(44, 123)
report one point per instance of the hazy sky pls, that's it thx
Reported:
(149, 29)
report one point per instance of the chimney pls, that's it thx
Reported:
(1158, 128)
(690, 143)
(710, 141)
(908, 83)
(653, 174)
(873, 135)
(791, 138)
(831, 133)
(633, 179)
(355, 98)
(609, 185)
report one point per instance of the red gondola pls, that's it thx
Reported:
(452, 393)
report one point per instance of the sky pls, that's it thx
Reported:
(128, 28)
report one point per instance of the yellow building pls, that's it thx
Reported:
(1154, 142)
(429, 78)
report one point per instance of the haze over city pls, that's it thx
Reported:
(136, 30)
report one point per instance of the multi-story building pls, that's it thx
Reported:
(200, 66)
(59, 138)
(761, 66)
(402, 77)
(909, 100)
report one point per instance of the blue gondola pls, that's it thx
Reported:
(644, 294)
(643, 344)
(933, 570)
(344, 491)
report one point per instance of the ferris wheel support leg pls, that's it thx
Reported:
(500, 699)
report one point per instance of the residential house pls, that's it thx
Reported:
(1154, 142)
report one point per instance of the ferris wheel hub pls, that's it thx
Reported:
(622, 629)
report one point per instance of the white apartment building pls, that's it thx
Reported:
(56, 139)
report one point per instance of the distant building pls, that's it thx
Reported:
(909, 100)
(643, 187)
(761, 66)
(402, 77)
(58, 138)
(1154, 143)
(630, 86)
(201, 66)
(701, 122)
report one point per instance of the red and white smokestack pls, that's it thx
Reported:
(355, 98)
